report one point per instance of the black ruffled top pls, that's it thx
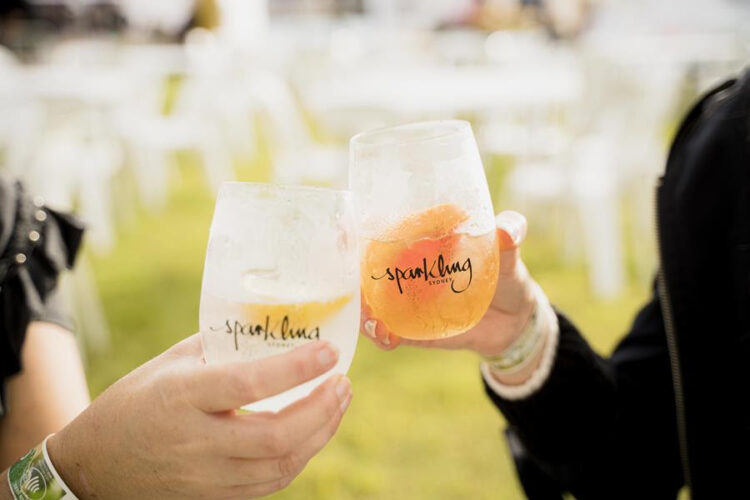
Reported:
(36, 244)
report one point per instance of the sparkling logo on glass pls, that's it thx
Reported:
(436, 273)
(286, 331)
(281, 325)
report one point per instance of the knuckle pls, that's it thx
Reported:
(277, 440)
(282, 483)
(289, 465)
(333, 408)
(301, 369)
(275, 486)
(241, 385)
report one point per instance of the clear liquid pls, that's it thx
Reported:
(247, 331)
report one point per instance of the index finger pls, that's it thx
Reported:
(512, 229)
(286, 431)
(220, 387)
(376, 330)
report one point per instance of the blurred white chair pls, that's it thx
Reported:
(298, 159)
(71, 170)
(82, 52)
(146, 16)
(217, 86)
(581, 202)
(422, 13)
(635, 109)
(21, 117)
(78, 153)
(153, 136)
(244, 24)
(594, 186)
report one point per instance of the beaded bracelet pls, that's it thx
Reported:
(514, 358)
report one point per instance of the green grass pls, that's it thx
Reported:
(419, 426)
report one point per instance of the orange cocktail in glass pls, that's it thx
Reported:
(429, 247)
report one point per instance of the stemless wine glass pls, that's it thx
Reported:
(429, 258)
(282, 269)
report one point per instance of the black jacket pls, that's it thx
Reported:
(671, 405)
(36, 245)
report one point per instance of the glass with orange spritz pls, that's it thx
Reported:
(429, 254)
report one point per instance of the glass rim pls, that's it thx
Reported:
(440, 130)
(282, 188)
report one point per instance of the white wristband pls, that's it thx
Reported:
(54, 472)
(540, 375)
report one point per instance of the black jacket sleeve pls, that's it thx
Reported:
(36, 245)
(600, 428)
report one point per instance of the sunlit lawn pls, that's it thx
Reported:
(419, 425)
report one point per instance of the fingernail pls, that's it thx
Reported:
(512, 223)
(369, 326)
(343, 391)
(387, 339)
(327, 355)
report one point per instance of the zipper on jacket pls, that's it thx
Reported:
(674, 358)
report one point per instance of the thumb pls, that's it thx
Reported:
(226, 386)
(511, 231)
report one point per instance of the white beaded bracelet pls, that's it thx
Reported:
(515, 357)
(549, 328)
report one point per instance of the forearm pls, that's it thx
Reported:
(49, 392)
(573, 407)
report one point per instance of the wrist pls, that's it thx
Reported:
(517, 361)
(68, 462)
(5, 493)
(504, 328)
(533, 377)
(522, 333)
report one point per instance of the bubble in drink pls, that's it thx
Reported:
(426, 280)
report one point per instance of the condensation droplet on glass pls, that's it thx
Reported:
(343, 240)
(261, 273)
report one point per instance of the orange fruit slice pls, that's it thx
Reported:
(412, 246)
(309, 314)
(434, 222)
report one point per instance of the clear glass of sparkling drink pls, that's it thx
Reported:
(282, 269)
(426, 226)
